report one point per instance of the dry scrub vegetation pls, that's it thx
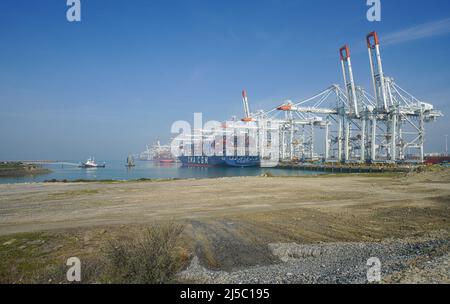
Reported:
(153, 257)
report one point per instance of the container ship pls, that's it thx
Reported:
(164, 158)
(220, 161)
(224, 160)
(158, 153)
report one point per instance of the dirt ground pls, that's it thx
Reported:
(230, 221)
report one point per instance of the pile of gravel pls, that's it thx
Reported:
(341, 263)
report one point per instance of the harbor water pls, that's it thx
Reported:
(116, 170)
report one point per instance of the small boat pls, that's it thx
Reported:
(130, 162)
(90, 163)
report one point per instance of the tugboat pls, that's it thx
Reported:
(130, 162)
(90, 163)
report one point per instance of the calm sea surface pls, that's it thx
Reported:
(116, 170)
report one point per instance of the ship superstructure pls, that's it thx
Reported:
(90, 163)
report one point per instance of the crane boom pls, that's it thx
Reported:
(245, 102)
(348, 78)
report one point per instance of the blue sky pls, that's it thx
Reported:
(118, 79)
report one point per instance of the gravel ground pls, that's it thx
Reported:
(424, 260)
(253, 230)
(43, 206)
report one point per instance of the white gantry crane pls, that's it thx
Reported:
(387, 127)
(397, 129)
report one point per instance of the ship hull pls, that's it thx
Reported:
(90, 166)
(166, 161)
(434, 160)
(202, 161)
(243, 161)
(268, 163)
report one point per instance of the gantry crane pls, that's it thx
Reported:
(385, 127)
